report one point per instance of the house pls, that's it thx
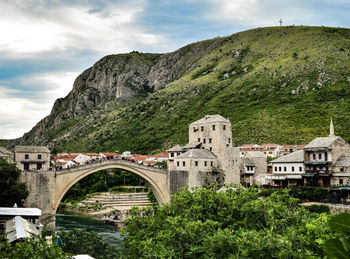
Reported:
(288, 170)
(319, 157)
(175, 151)
(341, 172)
(106, 155)
(290, 148)
(7, 155)
(32, 158)
(251, 166)
(268, 149)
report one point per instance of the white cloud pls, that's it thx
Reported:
(62, 27)
(19, 114)
(256, 13)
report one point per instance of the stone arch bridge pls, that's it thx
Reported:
(46, 189)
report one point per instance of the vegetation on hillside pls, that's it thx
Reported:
(275, 85)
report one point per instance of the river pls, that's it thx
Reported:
(73, 221)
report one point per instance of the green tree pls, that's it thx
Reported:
(339, 247)
(85, 242)
(34, 247)
(238, 223)
(11, 190)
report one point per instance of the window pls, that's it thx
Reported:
(210, 148)
(224, 127)
(341, 169)
(26, 156)
(199, 139)
(280, 169)
(229, 140)
(211, 163)
(292, 168)
(39, 166)
(39, 156)
(209, 140)
(194, 129)
(275, 168)
(171, 154)
(313, 156)
(183, 163)
(300, 168)
(178, 163)
(213, 127)
(285, 169)
(205, 163)
(204, 141)
(340, 181)
(195, 163)
(202, 128)
(319, 156)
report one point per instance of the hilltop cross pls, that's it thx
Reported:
(280, 21)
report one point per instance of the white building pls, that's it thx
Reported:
(288, 170)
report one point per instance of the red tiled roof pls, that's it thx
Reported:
(91, 154)
(162, 154)
(248, 145)
(65, 156)
(110, 154)
(270, 145)
(139, 157)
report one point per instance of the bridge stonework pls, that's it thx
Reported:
(46, 189)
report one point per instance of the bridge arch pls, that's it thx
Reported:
(156, 178)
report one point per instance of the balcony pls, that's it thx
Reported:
(316, 162)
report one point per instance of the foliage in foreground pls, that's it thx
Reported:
(339, 247)
(84, 242)
(34, 247)
(11, 190)
(233, 224)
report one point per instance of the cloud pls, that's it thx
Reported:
(21, 109)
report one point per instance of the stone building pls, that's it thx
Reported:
(32, 158)
(251, 166)
(7, 155)
(209, 149)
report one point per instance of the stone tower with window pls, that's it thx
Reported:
(214, 133)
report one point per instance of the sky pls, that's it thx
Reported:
(45, 45)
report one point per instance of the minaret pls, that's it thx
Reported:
(331, 129)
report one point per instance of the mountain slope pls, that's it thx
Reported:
(278, 84)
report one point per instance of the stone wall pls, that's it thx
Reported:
(176, 180)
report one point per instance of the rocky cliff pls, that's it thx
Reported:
(277, 84)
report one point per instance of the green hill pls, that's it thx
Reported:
(278, 84)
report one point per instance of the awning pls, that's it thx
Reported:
(344, 187)
(276, 177)
(298, 176)
(308, 175)
(18, 227)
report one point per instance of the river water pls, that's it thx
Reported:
(72, 221)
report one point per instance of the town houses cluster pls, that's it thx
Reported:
(325, 161)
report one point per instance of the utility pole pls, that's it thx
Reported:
(280, 21)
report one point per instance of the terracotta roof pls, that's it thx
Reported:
(297, 156)
(91, 154)
(162, 154)
(247, 145)
(110, 154)
(210, 119)
(197, 153)
(65, 156)
(139, 157)
(270, 145)
(32, 149)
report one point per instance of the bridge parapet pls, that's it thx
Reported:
(111, 162)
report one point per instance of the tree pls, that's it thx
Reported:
(11, 190)
(29, 248)
(339, 247)
(238, 223)
(84, 242)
